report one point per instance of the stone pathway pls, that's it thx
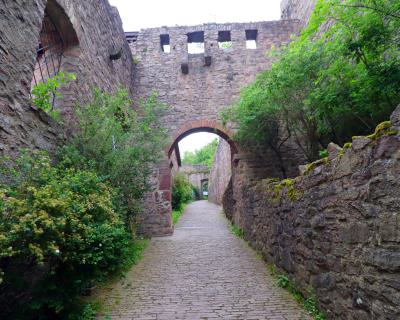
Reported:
(201, 272)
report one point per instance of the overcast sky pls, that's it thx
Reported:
(156, 13)
(137, 15)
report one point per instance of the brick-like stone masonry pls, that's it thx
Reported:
(200, 95)
(297, 9)
(336, 230)
(201, 272)
(220, 172)
(98, 29)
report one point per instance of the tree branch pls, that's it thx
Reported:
(361, 6)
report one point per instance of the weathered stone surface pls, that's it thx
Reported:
(195, 99)
(333, 150)
(220, 172)
(395, 119)
(297, 9)
(22, 126)
(335, 229)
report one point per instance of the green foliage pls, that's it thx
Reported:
(323, 153)
(59, 234)
(237, 231)
(182, 191)
(121, 144)
(176, 214)
(89, 307)
(44, 92)
(326, 86)
(225, 45)
(204, 155)
(309, 303)
(63, 225)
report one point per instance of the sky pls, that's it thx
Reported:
(138, 15)
(195, 141)
(156, 13)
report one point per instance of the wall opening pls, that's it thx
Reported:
(224, 40)
(195, 42)
(204, 188)
(49, 52)
(164, 43)
(216, 172)
(251, 39)
(57, 36)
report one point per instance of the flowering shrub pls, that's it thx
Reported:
(59, 232)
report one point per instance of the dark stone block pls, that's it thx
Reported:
(386, 260)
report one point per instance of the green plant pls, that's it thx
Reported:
(339, 78)
(177, 213)
(120, 143)
(309, 303)
(88, 312)
(59, 235)
(323, 153)
(238, 232)
(182, 191)
(45, 91)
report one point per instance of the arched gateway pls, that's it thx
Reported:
(196, 71)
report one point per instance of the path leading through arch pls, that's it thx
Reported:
(201, 272)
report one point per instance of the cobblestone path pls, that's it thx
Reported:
(201, 272)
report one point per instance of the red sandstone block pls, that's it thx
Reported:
(165, 182)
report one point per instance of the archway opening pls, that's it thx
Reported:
(56, 43)
(204, 154)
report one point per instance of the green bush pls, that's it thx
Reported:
(182, 191)
(326, 86)
(121, 144)
(59, 233)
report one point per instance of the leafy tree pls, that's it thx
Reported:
(205, 155)
(339, 78)
(122, 144)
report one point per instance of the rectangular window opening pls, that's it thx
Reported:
(251, 39)
(224, 39)
(164, 42)
(195, 42)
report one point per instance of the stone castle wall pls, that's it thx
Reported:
(335, 229)
(205, 90)
(213, 81)
(297, 9)
(98, 29)
(220, 172)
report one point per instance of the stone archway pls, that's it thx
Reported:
(211, 126)
(156, 219)
(204, 188)
(197, 87)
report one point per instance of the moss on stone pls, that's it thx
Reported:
(347, 145)
(275, 188)
(382, 129)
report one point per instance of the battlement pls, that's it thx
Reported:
(211, 38)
